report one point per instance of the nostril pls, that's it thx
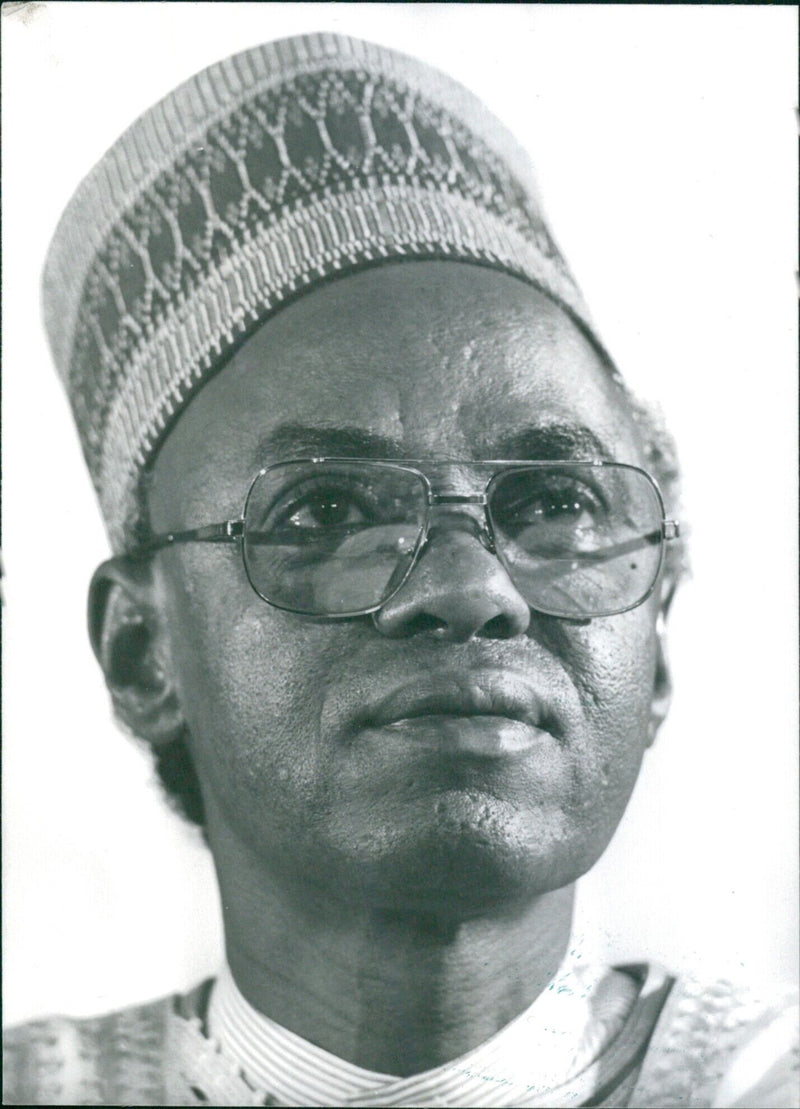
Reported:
(499, 627)
(425, 622)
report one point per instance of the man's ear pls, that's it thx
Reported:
(128, 638)
(662, 681)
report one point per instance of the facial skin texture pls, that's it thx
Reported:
(314, 814)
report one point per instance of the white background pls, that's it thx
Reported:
(665, 143)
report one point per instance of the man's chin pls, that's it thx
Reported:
(465, 856)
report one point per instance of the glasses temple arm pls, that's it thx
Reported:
(231, 530)
(605, 554)
(555, 565)
(228, 532)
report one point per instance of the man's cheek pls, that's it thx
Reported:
(612, 664)
(223, 642)
(613, 671)
(252, 692)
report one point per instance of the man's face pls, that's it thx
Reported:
(385, 759)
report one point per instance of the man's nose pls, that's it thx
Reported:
(458, 590)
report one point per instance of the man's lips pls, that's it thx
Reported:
(474, 694)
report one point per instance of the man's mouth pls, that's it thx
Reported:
(483, 712)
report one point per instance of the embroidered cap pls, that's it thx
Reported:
(260, 177)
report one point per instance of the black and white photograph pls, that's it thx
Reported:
(399, 553)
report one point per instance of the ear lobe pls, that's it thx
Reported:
(128, 640)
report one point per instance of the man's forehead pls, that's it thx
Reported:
(416, 329)
(431, 304)
(439, 360)
(425, 356)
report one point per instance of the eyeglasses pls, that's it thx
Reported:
(338, 537)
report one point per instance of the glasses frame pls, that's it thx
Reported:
(232, 531)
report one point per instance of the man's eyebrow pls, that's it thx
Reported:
(550, 442)
(535, 443)
(299, 441)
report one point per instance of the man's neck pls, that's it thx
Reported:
(396, 993)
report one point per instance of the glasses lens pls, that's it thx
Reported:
(332, 538)
(580, 539)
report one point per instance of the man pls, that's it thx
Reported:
(394, 552)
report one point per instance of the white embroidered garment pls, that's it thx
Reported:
(685, 1044)
(568, 1026)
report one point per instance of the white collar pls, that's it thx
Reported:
(565, 1029)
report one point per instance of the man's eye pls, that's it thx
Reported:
(325, 509)
(576, 509)
(570, 504)
(545, 515)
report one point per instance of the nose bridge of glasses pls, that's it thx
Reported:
(451, 512)
(438, 499)
(458, 501)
